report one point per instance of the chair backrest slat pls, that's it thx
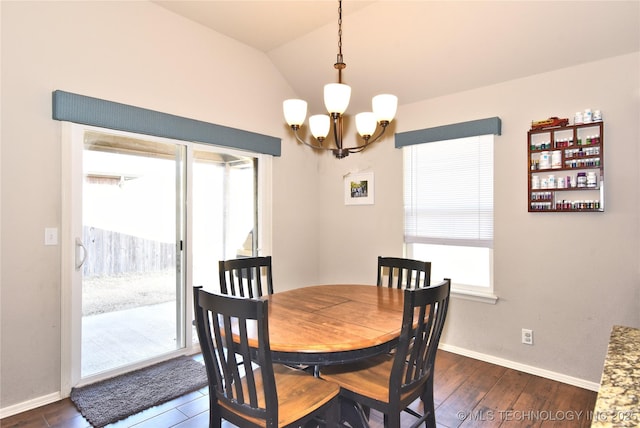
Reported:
(246, 277)
(401, 273)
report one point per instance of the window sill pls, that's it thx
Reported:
(475, 296)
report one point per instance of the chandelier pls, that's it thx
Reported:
(336, 101)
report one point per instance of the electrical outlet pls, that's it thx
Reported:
(527, 336)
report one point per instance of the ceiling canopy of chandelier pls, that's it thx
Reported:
(336, 101)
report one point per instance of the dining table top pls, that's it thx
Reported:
(334, 323)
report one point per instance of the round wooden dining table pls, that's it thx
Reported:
(333, 324)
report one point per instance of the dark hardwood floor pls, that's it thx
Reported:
(468, 393)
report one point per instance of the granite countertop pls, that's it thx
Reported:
(618, 402)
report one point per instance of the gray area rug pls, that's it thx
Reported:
(113, 399)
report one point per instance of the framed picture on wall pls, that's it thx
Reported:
(359, 189)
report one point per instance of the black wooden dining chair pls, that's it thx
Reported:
(389, 383)
(398, 272)
(245, 387)
(246, 277)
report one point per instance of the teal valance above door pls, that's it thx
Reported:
(91, 111)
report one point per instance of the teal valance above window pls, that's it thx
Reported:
(473, 128)
(111, 115)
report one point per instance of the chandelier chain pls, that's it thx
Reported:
(340, 65)
(340, 30)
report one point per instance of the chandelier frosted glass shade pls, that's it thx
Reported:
(319, 124)
(384, 107)
(366, 124)
(295, 111)
(336, 97)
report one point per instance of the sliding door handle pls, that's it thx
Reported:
(80, 248)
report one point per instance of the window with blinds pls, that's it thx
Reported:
(448, 209)
(448, 192)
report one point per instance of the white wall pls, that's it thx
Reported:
(135, 53)
(570, 276)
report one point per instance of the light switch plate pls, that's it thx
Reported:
(50, 236)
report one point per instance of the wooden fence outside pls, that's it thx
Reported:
(111, 253)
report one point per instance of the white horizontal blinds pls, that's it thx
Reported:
(448, 192)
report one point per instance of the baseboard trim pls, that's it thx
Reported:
(559, 377)
(29, 405)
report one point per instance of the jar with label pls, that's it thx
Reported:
(561, 183)
(581, 179)
(545, 160)
(592, 181)
(556, 159)
(535, 182)
(597, 116)
(544, 183)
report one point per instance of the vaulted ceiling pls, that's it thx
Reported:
(420, 49)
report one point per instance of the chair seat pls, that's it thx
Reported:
(369, 378)
(299, 394)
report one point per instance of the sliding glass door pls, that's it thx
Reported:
(145, 219)
(224, 216)
(132, 245)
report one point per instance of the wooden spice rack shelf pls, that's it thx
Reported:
(566, 168)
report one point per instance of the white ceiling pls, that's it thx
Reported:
(420, 49)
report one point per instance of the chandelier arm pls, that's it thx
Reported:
(368, 142)
(313, 146)
(358, 149)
